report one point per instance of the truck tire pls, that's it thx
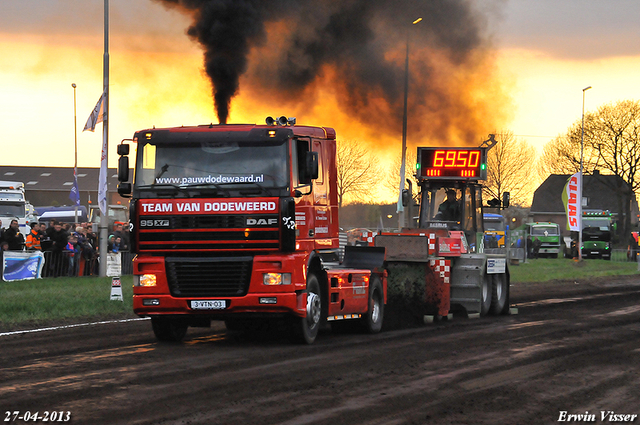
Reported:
(486, 294)
(306, 328)
(372, 320)
(169, 329)
(498, 293)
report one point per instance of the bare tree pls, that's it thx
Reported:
(357, 172)
(392, 180)
(510, 168)
(614, 133)
(611, 143)
(562, 154)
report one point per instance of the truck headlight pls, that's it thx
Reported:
(276, 278)
(145, 280)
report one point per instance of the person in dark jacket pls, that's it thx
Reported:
(13, 237)
(59, 240)
(536, 247)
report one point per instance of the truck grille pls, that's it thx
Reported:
(208, 233)
(209, 277)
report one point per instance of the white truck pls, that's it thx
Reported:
(13, 205)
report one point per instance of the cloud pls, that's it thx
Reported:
(571, 29)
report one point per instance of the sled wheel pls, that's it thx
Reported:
(498, 293)
(487, 291)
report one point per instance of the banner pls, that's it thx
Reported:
(571, 198)
(114, 264)
(19, 265)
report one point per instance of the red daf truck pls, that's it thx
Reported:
(240, 223)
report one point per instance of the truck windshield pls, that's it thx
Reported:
(214, 164)
(598, 223)
(493, 225)
(12, 209)
(544, 231)
(12, 196)
(447, 205)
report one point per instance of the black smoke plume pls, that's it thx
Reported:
(292, 44)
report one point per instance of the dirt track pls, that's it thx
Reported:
(572, 348)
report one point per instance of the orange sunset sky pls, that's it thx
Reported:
(528, 77)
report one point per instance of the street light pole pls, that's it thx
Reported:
(581, 178)
(400, 210)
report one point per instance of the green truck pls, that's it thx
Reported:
(596, 234)
(549, 236)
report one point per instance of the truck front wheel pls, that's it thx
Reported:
(306, 328)
(169, 329)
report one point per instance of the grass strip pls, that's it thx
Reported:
(547, 269)
(30, 303)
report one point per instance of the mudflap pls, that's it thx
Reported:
(363, 257)
(437, 287)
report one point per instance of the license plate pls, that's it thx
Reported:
(208, 305)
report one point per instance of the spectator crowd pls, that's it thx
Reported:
(69, 249)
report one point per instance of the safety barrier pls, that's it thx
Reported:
(68, 263)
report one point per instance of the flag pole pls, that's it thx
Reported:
(105, 149)
(75, 163)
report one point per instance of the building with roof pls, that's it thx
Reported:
(600, 192)
(46, 186)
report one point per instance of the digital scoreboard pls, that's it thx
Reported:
(452, 163)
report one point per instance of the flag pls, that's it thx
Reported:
(75, 192)
(571, 198)
(102, 180)
(97, 115)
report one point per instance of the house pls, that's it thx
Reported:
(600, 192)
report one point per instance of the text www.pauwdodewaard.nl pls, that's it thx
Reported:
(211, 179)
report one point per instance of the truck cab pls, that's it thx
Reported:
(13, 205)
(495, 230)
(239, 223)
(596, 234)
(549, 236)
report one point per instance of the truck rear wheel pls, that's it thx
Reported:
(306, 328)
(486, 294)
(169, 329)
(498, 293)
(372, 320)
